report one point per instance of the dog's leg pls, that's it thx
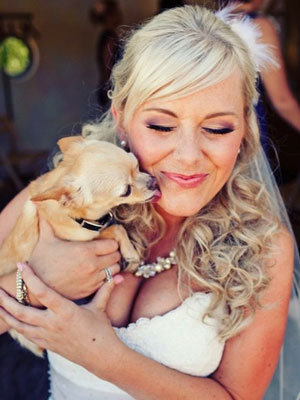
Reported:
(129, 253)
(19, 244)
(18, 247)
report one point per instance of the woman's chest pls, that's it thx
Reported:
(136, 298)
(157, 296)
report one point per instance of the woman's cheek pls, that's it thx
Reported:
(148, 152)
(224, 157)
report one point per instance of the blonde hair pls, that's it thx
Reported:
(223, 249)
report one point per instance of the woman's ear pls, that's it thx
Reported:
(117, 115)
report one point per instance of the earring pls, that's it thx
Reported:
(123, 144)
(239, 151)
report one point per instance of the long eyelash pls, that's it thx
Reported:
(222, 131)
(160, 128)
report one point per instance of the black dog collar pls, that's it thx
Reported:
(99, 225)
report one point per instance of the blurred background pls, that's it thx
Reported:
(55, 60)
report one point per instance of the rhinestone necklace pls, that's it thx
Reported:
(161, 264)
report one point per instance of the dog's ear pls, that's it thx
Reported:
(65, 143)
(68, 196)
(50, 194)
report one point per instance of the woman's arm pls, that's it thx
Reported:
(275, 79)
(7, 282)
(74, 269)
(80, 333)
(250, 357)
(8, 218)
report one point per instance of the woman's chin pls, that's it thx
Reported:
(176, 209)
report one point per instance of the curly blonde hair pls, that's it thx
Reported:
(224, 248)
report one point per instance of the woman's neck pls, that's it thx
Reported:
(163, 247)
(173, 222)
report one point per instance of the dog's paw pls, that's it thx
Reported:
(129, 264)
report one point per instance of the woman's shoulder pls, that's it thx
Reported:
(281, 264)
(283, 245)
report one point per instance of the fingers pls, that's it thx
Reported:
(21, 327)
(114, 269)
(46, 296)
(102, 296)
(104, 246)
(22, 313)
(107, 260)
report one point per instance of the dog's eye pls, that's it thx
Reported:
(127, 192)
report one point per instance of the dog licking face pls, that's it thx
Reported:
(92, 178)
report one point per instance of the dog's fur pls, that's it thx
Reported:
(91, 179)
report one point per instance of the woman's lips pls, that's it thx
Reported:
(186, 181)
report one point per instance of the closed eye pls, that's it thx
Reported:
(221, 131)
(127, 191)
(160, 128)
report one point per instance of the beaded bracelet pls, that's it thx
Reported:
(22, 292)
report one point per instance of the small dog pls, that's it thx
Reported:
(92, 178)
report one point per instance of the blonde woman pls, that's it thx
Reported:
(211, 324)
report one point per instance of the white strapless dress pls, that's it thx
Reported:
(178, 339)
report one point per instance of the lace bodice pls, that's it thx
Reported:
(178, 339)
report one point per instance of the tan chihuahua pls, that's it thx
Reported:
(92, 178)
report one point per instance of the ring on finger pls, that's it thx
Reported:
(108, 274)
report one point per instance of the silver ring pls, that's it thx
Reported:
(108, 274)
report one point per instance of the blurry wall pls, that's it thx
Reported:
(137, 10)
(61, 93)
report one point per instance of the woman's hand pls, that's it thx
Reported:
(73, 269)
(75, 332)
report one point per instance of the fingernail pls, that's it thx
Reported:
(21, 266)
(118, 279)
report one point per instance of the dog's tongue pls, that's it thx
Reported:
(156, 196)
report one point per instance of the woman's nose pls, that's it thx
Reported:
(189, 150)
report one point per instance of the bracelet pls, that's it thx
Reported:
(22, 292)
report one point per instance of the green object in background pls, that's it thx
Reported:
(15, 56)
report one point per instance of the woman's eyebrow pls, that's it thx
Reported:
(221, 114)
(172, 114)
(161, 110)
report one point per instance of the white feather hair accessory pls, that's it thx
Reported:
(260, 53)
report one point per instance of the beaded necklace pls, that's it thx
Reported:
(161, 264)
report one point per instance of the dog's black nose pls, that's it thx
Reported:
(152, 184)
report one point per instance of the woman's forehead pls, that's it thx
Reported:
(227, 94)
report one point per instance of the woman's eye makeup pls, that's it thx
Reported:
(219, 131)
(160, 128)
(169, 128)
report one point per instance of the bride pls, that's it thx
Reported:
(212, 324)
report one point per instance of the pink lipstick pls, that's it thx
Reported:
(186, 181)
